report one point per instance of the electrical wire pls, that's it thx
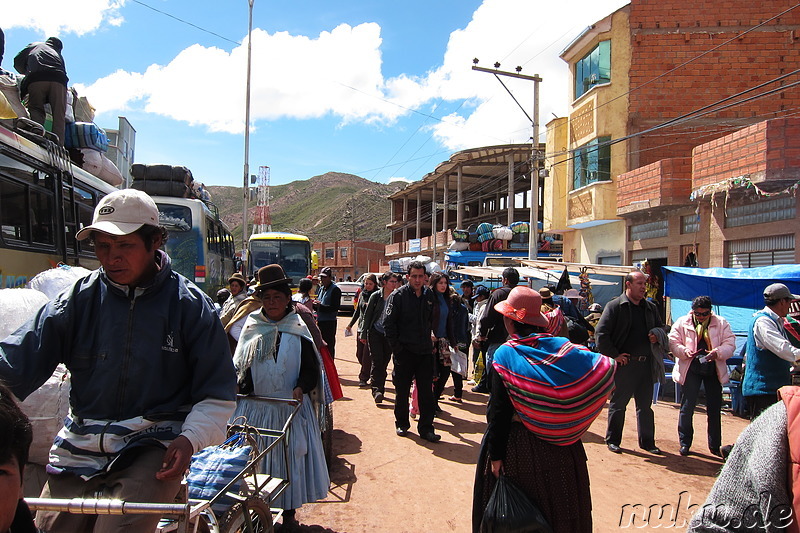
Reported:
(182, 21)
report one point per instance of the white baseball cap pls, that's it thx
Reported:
(122, 213)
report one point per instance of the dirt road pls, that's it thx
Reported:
(385, 483)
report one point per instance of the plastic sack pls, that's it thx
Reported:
(510, 511)
(6, 111)
(458, 363)
(51, 282)
(502, 232)
(17, 306)
(214, 467)
(46, 408)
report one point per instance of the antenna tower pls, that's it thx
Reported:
(263, 221)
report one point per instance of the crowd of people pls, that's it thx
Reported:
(158, 370)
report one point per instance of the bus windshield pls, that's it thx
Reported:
(293, 256)
(184, 245)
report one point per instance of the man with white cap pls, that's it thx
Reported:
(152, 376)
(769, 352)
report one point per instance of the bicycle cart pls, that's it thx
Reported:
(251, 509)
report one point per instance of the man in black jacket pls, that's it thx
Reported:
(408, 328)
(623, 334)
(492, 330)
(45, 81)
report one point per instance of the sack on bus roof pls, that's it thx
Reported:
(99, 165)
(162, 173)
(85, 135)
(10, 90)
(162, 188)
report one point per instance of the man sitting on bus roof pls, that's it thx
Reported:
(152, 376)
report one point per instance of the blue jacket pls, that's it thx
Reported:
(153, 353)
(765, 372)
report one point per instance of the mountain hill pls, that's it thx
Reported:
(325, 208)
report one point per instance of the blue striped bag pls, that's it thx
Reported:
(214, 467)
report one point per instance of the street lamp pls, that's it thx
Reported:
(246, 182)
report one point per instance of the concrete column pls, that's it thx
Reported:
(446, 202)
(405, 218)
(419, 213)
(510, 209)
(459, 201)
(433, 220)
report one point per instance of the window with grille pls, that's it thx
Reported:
(690, 224)
(649, 230)
(761, 251)
(760, 212)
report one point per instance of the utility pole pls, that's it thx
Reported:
(246, 181)
(535, 155)
(350, 220)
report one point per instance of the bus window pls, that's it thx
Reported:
(13, 202)
(42, 211)
(176, 218)
(27, 213)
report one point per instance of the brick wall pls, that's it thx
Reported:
(667, 33)
(769, 150)
(665, 182)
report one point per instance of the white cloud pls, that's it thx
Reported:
(339, 73)
(58, 17)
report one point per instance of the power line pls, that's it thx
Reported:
(182, 21)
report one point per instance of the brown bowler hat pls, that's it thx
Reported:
(270, 276)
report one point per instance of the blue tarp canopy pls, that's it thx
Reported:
(736, 293)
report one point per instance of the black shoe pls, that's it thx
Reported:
(362, 384)
(481, 389)
(655, 450)
(378, 397)
(401, 432)
(715, 451)
(684, 451)
(726, 451)
(614, 448)
(431, 436)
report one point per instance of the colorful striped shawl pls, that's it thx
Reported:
(557, 388)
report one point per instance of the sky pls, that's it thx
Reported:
(380, 89)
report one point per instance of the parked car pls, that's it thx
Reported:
(349, 290)
(363, 276)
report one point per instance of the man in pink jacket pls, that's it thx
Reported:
(701, 343)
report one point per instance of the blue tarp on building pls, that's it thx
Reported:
(735, 292)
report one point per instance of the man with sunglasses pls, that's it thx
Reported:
(769, 352)
(701, 343)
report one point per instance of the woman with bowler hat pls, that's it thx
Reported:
(276, 357)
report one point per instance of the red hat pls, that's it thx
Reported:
(523, 305)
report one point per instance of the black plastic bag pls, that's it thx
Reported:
(510, 511)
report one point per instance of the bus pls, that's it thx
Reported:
(199, 243)
(44, 202)
(290, 250)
